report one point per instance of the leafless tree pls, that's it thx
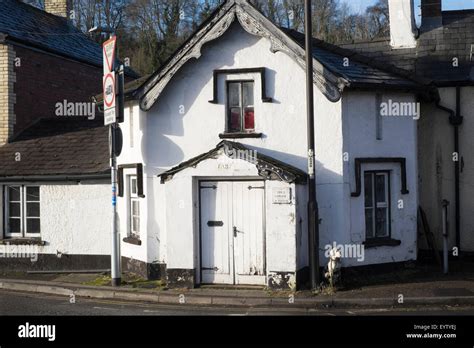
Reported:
(151, 30)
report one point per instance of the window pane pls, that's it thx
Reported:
(14, 193)
(234, 94)
(247, 89)
(381, 222)
(33, 225)
(135, 225)
(135, 208)
(368, 189)
(14, 225)
(380, 188)
(234, 120)
(14, 209)
(32, 209)
(32, 194)
(249, 119)
(133, 184)
(369, 223)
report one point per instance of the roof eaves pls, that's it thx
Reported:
(29, 44)
(181, 52)
(100, 175)
(330, 83)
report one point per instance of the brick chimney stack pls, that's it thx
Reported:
(60, 8)
(431, 15)
(7, 94)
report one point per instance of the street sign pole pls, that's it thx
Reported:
(115, 258)
(313, 213)
(116, 254)
(110, 119)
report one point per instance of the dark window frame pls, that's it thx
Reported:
(120, 178)
(242, 107)
(389, 205)
(262, 71)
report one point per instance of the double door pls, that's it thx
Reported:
(232, 232)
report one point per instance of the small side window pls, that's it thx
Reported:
(134, 208)
(377, 204)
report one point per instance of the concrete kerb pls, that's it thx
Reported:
(187, 298)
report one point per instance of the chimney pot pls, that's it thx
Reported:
(431, 14)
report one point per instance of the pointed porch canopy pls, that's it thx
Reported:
(268, 167)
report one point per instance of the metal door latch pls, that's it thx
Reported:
(236, 231)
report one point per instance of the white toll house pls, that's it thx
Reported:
(212, 179)
(213, 173)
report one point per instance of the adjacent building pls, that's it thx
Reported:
(441, 51)
(54, 158)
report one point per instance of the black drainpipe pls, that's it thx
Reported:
(455, 119)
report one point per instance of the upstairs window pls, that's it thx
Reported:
(241, 115)
(377, 204)
(22, 211)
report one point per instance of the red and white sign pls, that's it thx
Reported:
(109, 54)
(109, 80)
(109, 98)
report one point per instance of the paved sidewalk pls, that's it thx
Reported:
(409, 290)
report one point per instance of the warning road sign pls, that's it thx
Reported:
(109, 54)
(109, 98)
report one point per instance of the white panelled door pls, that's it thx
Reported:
(232, 232)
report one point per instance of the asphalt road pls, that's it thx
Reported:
(16, 303)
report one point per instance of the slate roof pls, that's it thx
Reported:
(361, 71)
(27, 24)
(433, 57)
(55, 146)
(267, 166)
(31, 26)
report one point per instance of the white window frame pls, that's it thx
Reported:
(378, 205)
(133, 197)
(23, 218)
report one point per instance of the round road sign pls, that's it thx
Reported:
(109, 90)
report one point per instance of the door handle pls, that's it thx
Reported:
(236, 231)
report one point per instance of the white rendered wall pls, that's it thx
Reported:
(133, 128)
(75, 219)
(183, 124)
(436, 138)
(399, 139)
